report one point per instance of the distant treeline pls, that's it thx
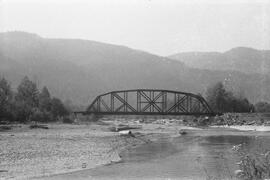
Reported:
(28, 103)
(222, 100)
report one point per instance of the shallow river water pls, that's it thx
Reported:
(184, 157)
(209, 156)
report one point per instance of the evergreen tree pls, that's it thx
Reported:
(26, 99)
(262, 107)
(5, 100)
(224, 101)
(58, 108)
(216, 97)
(45, 100)
(29, 104)
(27, 92)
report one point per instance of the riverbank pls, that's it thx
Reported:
(34, 153)
(62, 148)
(260, 128)
(201, 153)
(26, 153)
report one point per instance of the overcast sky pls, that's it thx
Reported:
(162, 27)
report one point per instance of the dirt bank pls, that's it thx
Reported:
(171, 154)
(28, 152)
(62, 148)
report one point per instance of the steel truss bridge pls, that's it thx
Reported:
(149, 102)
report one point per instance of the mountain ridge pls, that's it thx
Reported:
(243, 59)
(79, 70)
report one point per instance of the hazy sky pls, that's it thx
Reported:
(162, 27)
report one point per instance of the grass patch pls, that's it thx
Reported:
(5, 128)
(253, 164)
(35, 126)
(123, 127)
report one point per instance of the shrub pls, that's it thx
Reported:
(202, 121)
(253, 164)
(40, 116)
(6, 96)
(58, 108)
(67, 120)
(222, 100)
(22, 111)
(35, 126)
(262, 107)
(28, 104)
(27, 93)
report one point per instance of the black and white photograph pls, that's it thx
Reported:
(135, 89)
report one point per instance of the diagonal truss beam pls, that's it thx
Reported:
(119, 108)
(178, 104)
(105, 105)
(124, 102)
(151, 102)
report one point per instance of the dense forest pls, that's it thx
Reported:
(79, 70)
(222, 100)
(28, 103)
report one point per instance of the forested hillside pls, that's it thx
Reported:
(79, 70)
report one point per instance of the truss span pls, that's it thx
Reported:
(149, 102)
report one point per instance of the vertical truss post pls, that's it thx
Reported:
(138, 101)
(150, 95)
(149, 101)
(98, 104)
(112, 102)
(125, 98)
(190, 104)
(152, 99)
(125, 106)
(165, 101)
(162, 102)
(178, 108)
(187, 104)
(175, 101)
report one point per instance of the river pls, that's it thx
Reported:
(183, 157)
(204, 154)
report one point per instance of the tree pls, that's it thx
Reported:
(5, 100)
(26, 99)
(240, 104)
(222, 100)
(23, 111)
(262, 107)
(58, 108)
(217, 96)
(27, 92)
(45, 100)
(29, 104)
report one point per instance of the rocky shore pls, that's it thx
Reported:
(37, 153)
(26, 153)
